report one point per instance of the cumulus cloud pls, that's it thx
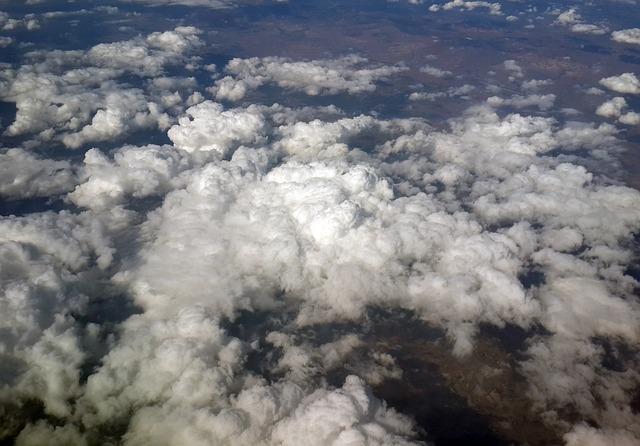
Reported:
(8, 23)
(435, 72)
(330, 76)
(631, 36)
(535, 84)
(572, 19)
(625, 83)
(615, 108)
(630, 118)
(23, 175)
(217, 288)
(568, 17)
(451, 92)
(287, 210)
(612, 108)
(494, 8)
(543, 102)
(85, 102)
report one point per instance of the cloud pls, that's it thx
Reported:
(451, 92)
(85, 102)
(612, 108)
(543, 102)
(214, 4)
(625, 83)
(209, 127)
(137, 172)
(630, 118)
(24, 175)
(315, 215)
(8, 23)
(587, 28)
(535, 84)
(494, 8)
(573, 20)
(589, 436)
(568, 17)
(435, 72)
(218, 287)
(315, 77)
(631, 36)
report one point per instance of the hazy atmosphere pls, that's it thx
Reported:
(305, 222)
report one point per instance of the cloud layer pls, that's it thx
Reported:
(216, 287)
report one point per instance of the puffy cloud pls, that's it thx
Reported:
(329, 76)
(615, 108)
(494, 8)
(569, 17)
(209, 127)
(631, 36)
(435, 72)
(23, 175)
(451, 92)
(43, 258)
(513, 68)
(348, 415)
(587, 28)
(8, 23)
(625, 83)
(630, 118)
(121, 112)
(85, 103)
(320, 216)
(573, 20)
(535, 84)
(253, 245)
(134, 172)
(590, 436)
(612, 108)
(543, 102)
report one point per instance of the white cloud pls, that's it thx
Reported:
(631, 36)
(513, 68)
(573, 20)
(86, 103)
(535, 84)
(208, 127)
(134, 172)
(630, 118)
(612, 108)
(435, 72)
(585, 435)
(348, 74)
(298, 217)
(568, 17)
(461, 92)
(615, 108)
(494, 8)
(321, 216)
(543, 102)
(23, 175)
(625, 83)
(587, 28)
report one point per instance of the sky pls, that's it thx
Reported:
(360, 222)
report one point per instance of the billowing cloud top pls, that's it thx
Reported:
(202, 270)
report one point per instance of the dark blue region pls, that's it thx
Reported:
(22, 207)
